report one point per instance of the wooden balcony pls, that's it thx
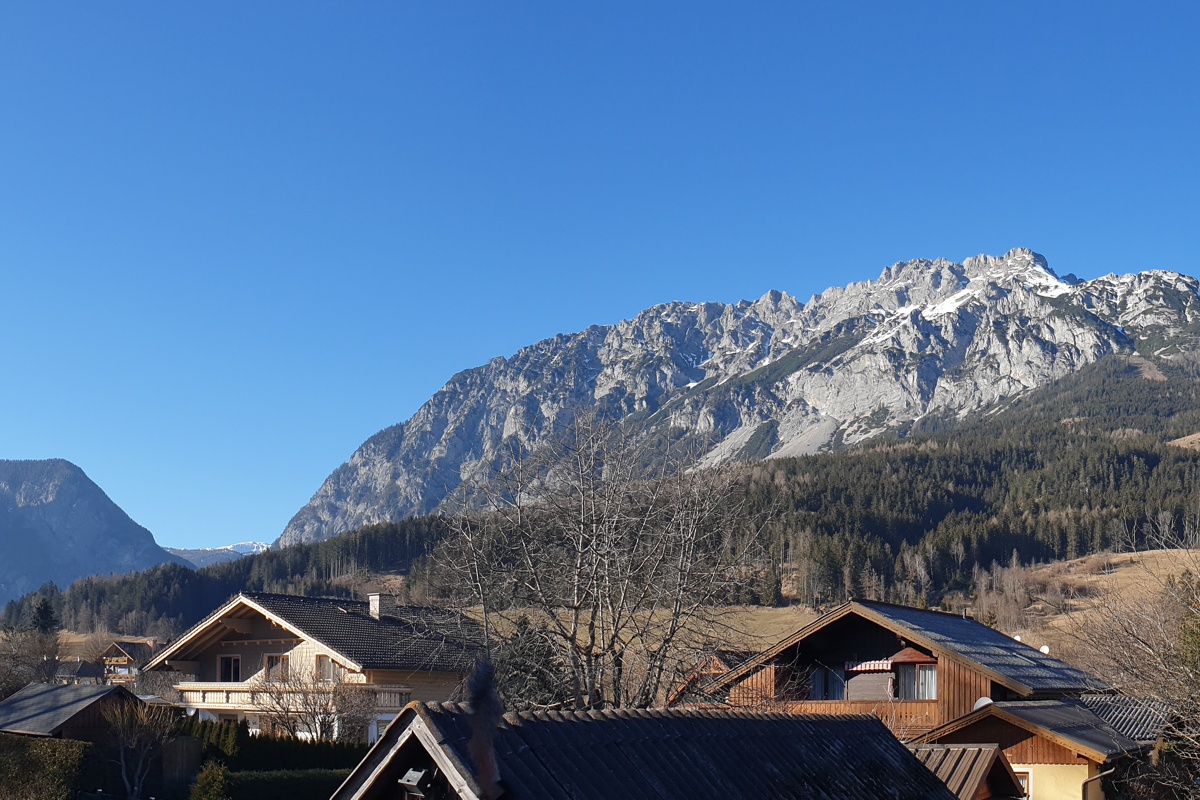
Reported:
(905, 718)
(240, 696)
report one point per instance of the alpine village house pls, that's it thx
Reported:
(941, 679)
(258, 642)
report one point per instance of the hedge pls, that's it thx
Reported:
(33, 768)
(309, 784)
(233, 745)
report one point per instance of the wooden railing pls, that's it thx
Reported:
(240, 696)
(905, 718)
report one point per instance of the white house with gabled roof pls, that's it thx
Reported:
(394, 653)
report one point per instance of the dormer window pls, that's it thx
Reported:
(916, 675)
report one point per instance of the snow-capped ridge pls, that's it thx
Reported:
(925, 337)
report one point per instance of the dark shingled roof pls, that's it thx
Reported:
(989, 648)
(1073, 720)
(664, 754)
(40, 709)
(408, 638)
(78, 670)
(1135, 718)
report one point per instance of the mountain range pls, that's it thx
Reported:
(57, 525)
(771, 378)
(205, 556)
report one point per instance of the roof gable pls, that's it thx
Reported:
(968, 768)
(1010, 663)
(137, 652)
(404, 639)
(660, 753)
(1068, 722)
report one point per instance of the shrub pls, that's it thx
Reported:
(211, 783)
(40, 769)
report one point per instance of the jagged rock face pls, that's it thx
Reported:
(770, 378)
(57, 525)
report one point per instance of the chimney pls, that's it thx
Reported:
(381, 604)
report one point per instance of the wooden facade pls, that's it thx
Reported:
(787, 681)
(1019, 745)
(1053, 764)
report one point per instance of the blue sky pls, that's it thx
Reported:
(238, 239)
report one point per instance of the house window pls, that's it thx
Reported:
(230, 669)
(275, 667)
(327, 671)
(916, 681)
(1024, 779)
(827, 684)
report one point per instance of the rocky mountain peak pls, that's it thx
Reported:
(57, 525)
(770, 378)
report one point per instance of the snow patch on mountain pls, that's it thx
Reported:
(772, 377)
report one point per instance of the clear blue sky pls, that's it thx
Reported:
(237, 239)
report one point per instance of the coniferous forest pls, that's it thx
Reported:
(1077, 467)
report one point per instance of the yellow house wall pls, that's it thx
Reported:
(1060, 781)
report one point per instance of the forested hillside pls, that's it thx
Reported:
(1073, 468)
(168, 599)
(1079, 466)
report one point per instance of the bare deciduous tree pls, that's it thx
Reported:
(622, 554)
(1147, 646)
(27, 655)
(303, 704)
(137, 734)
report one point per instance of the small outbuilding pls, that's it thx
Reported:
(70, 711)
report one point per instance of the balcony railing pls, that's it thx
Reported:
(905, 718)
(240, 696)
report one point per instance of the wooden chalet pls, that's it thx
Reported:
(122, 660)
(434, 750)
(914, 669)
(1059, 749)
(394, 654)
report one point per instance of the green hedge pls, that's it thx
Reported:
(40, 769)
(232, 745)
(309, 784)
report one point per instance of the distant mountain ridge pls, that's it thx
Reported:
(770, 378)
(57, 525)
(204, 556)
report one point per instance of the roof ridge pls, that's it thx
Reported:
(863, 601)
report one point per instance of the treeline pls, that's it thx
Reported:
(1074, 468)
(167, 599)
(1071, 469)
